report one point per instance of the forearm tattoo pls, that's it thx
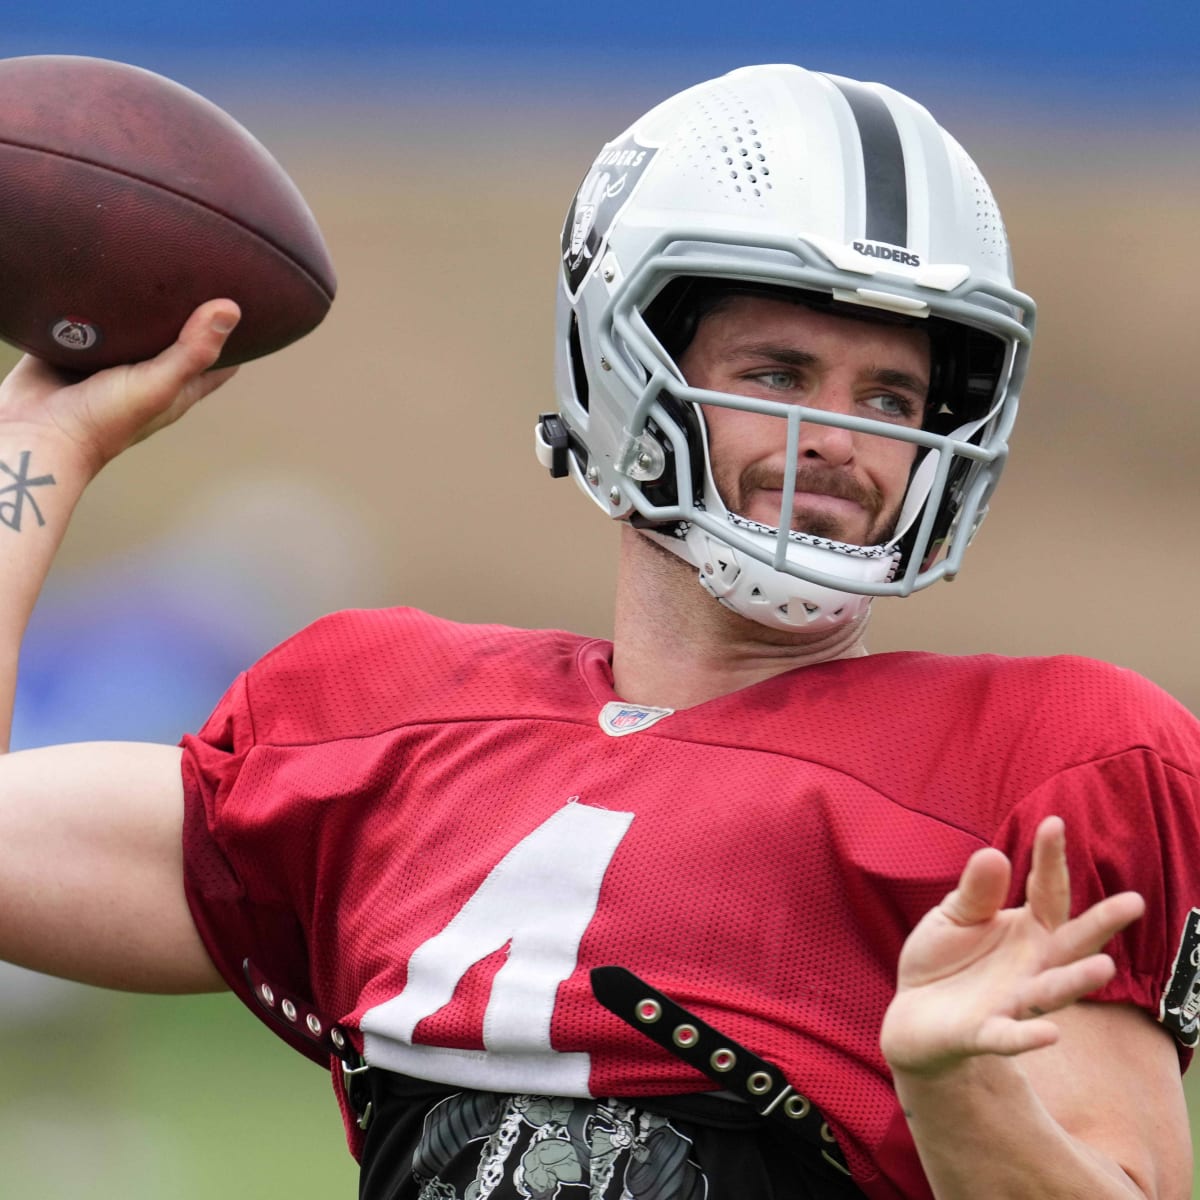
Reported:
(15, 495)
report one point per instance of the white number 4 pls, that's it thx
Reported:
(538, 900)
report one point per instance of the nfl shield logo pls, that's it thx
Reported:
(627, 718)
(617, 719)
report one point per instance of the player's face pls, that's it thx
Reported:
(849, 486)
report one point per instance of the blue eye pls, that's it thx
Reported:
(777, 380)
(897, 407)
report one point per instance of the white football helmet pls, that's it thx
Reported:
(851, 196)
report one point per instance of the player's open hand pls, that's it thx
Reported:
(105, 413)
(976, 978)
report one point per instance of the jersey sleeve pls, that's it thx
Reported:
(1132, 823)
(238, 908)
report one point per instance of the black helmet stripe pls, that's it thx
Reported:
(883, 165)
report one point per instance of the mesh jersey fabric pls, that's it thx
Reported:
(391, 809)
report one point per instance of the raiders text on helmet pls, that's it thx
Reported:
(849, 195)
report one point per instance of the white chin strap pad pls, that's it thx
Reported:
(758, 592)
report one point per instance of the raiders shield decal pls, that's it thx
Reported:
(1179, 1009)
(604, 192)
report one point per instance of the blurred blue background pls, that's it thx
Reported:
(1110, 59)
(439, 145)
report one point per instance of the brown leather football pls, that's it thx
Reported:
(125, 201)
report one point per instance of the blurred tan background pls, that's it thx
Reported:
(411, 409)
(387, 459)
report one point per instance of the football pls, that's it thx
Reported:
(125, 201)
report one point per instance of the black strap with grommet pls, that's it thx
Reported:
(302, 1017)
(727, 1063)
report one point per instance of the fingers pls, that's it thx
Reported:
(1094, 927)
(198, 346)
(1048, 896)
(982, 888)
(1048, 888)
(1028, 1026)
(976, 977)
(1072, 965)
(113, 409)
(1001, 1035)
(1058, 987)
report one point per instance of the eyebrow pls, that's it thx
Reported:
(789, 356)
(890, 377)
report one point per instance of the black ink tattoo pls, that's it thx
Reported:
(19, 492)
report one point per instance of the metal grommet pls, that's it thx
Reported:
(722, 1059)
(685, 1036)
(827, 1135)
(289, 1010)
(335, 1036)
(759, 1082)
(648, 1011)
(797, 1106)
(313, 1024)
(264, 990)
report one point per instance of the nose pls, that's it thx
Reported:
(830, 444)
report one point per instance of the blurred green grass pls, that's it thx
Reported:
(141, 1097)
(144, 1097)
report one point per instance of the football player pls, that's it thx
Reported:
(728, 907)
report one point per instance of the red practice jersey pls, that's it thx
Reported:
(426, 829)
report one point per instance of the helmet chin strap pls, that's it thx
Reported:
(773, 598)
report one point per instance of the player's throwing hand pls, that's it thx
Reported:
(977, 978)
(107, 412)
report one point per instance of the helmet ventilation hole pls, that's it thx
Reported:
(727, 146)
(989, 224)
